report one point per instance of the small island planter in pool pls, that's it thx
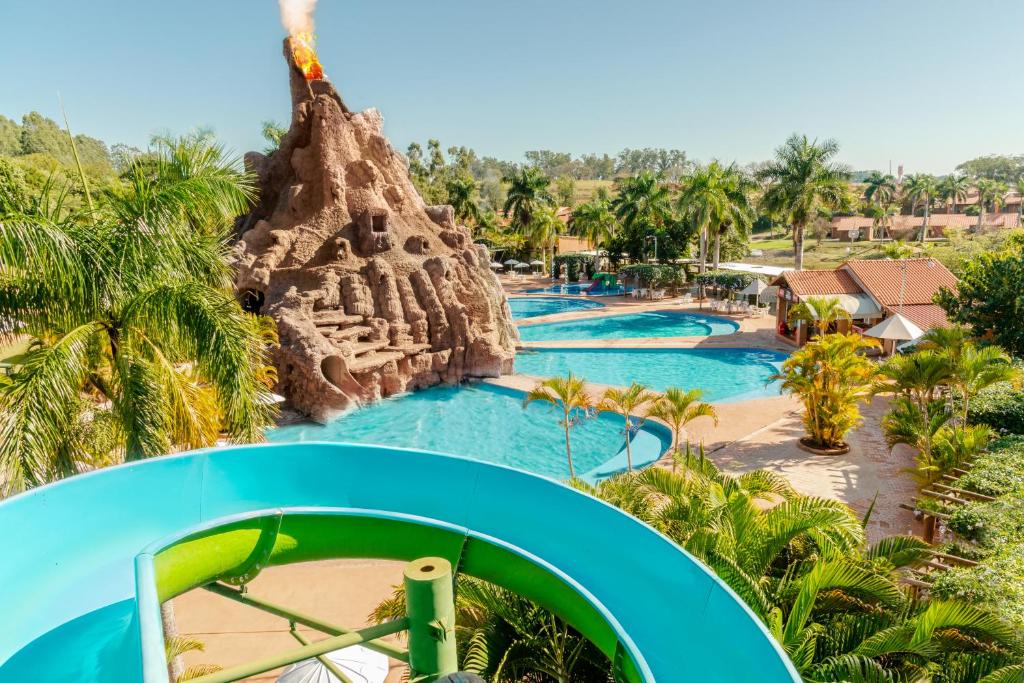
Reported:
(630, 326)
(489, 423)
(722, 374)
(536, 306)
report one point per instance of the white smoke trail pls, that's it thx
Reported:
(297, 15)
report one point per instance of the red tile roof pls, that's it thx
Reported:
(819, 282)
(882, 279)
(936, 220)
(925, 316)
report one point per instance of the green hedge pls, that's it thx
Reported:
(991, 525)
(1001, 407)
(998, 582)
(728, 279)
(575, 265)
(999, 471)
(655, 275)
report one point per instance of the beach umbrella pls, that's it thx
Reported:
(536, 263)
(511, 262)
(359, 664)
(520, 266)
(895, 327)
(496, 266)
(756, 287)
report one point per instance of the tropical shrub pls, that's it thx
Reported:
(998, 583)
(1000, 406)
(988, 298)
(575, 264)
(998, 471)
(655, 275)
(830, 377)
(726, 279)
(990, 524)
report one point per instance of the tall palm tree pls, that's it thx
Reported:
(803, 180)
(570, 394)
(717, 199)
(643, 203)
(922, 189)
(462, 196)
(528, 191)
(989, 192)
(627, 403)
(820, 312)
(594, 222)
(677, 408)
(543, 230)
(132, 309)
(954, 188)
(880, 188)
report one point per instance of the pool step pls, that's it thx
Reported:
(410, 349)
(373, 361)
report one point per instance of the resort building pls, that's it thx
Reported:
(870, 291)
(864, 228)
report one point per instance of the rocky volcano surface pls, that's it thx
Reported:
(373, 291)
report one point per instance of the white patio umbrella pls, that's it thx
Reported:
(756, 287)
(496, 266)
(358, 663)
(520, 266)
(536, 263)
(511, 263)
(895, 327)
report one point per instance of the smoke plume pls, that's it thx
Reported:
(297, 15)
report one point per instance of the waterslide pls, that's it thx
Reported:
(87, 561)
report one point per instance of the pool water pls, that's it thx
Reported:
(582, 290)
(723, 374)
(631, 326)
(535, 306)
(489, 423)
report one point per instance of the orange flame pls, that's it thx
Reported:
(304, 53)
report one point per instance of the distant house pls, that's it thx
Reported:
(870, 291)
(862, 228)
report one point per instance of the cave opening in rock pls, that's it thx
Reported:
(252, 301)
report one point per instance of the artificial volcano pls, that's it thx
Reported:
(373, 291)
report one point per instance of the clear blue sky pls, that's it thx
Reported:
(925, 83)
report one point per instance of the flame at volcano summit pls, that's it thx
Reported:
(297, 17)
(304, 52)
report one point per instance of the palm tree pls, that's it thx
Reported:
(626, 402)
(802, 181)
(881, 188)
(543, 230)
(831, 377)
(972, 367)
(717, 199)
(643, 203)
(594, 222)
(922, 188)
(677, 408)
(570, 394)
(954, 188)
(528, 191)
(916, 379)
(821, 312)
(462, 197)
(989, 192)
(132, 309)
(1019, 187)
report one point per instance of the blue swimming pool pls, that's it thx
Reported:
(631, 326)
(535, 306)
(723, 374)
(489, 423)
(582, 290)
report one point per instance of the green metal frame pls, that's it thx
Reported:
(430, 621)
